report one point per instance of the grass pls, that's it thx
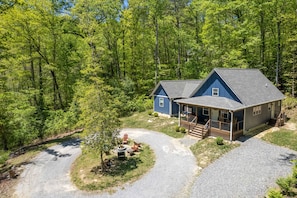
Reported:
(85, 176)
(161, 124)
(207, 151)
(283, 137)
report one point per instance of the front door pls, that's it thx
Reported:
(214, 114)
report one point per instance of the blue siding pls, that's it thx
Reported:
(175, 108)
(159, 109)
(214, 81)
(160, 91)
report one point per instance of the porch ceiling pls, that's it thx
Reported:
(212, 102)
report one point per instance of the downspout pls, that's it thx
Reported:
(231, 126)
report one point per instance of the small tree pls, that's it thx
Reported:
(100, 121)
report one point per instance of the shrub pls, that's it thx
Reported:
(219, 140)
(295, 172)
(274, 193)
(177, 129)
(3, 157)
(156, 114)
(182, 129)
(150, 112)
(286, 185)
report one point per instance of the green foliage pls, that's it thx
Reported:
(155, 114)
(274, 193)
(59, 121)
(219, 140)
(286, 185)
(294, 175)
(4, 155)
(290, 102)
(182, 129)
(177, 129)
(150, 112)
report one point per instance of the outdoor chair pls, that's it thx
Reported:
(125, 139)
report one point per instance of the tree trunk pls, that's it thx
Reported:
(157, 59)
(262, 45)
(278, 55)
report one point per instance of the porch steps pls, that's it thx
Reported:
(198, 131)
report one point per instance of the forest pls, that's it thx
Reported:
(66, 64)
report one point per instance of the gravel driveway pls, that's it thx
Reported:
(247, 171)
(175, 168)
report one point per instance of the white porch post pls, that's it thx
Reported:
(179, 114)
(231, 126)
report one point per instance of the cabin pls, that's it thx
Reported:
(228, 103)
(167, 91)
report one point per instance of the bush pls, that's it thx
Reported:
(3, 157)
(177, 129)
(274, 193)
(290, 102)
(295, 172)
(286, 185)
(150, 112)
(219, 140)
(155, 114)
(182, 129)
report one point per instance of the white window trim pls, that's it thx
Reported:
(207, 111)
(215, 92)
(223, 113)
(161, 102)
(257, 110)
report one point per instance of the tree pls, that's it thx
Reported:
(99, 119)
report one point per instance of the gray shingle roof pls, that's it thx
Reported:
(250, 86)
(178, 88)
(213, 102)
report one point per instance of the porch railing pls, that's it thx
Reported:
(226, 125)
(190, 124)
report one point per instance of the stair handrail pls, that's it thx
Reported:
(206, 127)
(192, 122)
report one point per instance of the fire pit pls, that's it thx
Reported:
(121, 152)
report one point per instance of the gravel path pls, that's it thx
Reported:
(247, 171)
(175, 168)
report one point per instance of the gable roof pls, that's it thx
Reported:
(178, 88)
(250, 86)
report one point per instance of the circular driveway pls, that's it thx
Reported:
(172, 175)
(247, 171)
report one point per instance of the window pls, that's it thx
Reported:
(224, 114)
(215, 91)
(256, 110)
(279, 103)
(161, 102)
(205, 111)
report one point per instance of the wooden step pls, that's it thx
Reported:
(197, 131)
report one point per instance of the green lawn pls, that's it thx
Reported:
(121, 172)
(161, 124)
(283, 137)
(206, 151)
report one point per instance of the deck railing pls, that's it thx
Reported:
(226, 125)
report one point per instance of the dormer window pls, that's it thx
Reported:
(215, 92)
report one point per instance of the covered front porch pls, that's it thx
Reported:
(203, 120)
